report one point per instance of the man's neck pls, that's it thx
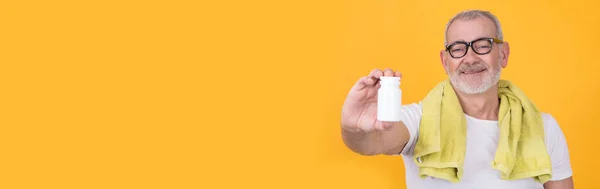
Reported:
(483, 106)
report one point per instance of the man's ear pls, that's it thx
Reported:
(504, 52)
(443, 60)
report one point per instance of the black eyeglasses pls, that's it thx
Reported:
(480, 46)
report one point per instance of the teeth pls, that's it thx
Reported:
(472, 71)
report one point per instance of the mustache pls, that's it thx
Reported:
(476, 66)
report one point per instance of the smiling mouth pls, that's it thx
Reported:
(473, 71)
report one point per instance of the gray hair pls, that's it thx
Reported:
(474, 14)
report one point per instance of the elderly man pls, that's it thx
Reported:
(472, 130)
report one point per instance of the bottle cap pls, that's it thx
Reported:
(389, 78)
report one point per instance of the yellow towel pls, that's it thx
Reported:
(440, 148)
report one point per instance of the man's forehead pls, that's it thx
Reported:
(468, 30)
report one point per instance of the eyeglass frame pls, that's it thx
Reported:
(470, 44)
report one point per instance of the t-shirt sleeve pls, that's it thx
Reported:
(411, 117)
(558, 149)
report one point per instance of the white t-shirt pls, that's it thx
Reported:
(482, 140)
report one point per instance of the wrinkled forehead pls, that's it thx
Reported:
(469, 30)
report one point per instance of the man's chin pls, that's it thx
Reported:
(474, 84)
(470, 82)
(470, 87)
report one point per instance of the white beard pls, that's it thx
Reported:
(488, 79)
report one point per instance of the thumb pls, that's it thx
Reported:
(385, 125)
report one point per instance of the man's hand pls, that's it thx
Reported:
(360, 107)
(361, 130)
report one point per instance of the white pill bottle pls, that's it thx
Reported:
(389, 99)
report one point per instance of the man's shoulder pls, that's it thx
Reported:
(552, 129)
(549, 121)
(548, 118)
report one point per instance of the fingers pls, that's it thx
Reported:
(362, 83)
(397, 74)
(391, 73)
(373, 78)
(376, 73)
(370, 81)
(388, 72)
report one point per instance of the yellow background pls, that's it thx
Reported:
(247, 94)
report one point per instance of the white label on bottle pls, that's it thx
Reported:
(389, 103)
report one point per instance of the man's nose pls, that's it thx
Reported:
(471, 56)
